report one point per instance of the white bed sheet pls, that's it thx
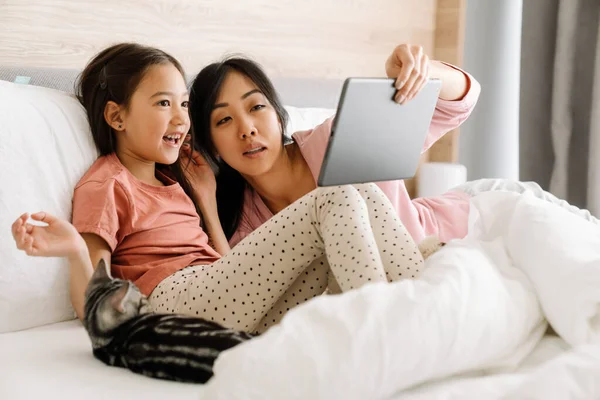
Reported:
(56, 362)
(489, 385)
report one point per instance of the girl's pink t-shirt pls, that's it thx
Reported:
(152, 231)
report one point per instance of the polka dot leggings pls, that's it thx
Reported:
(349, 235)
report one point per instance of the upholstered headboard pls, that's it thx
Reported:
(298, 92)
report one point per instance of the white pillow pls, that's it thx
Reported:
(306, 118)
(560, 251)
(45, 148)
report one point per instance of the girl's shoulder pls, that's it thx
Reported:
(103, 169)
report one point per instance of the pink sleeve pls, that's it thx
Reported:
(446, 216)
(239, 235)
(101, 208)
(449, 114)
(313, 144)
(249, 221)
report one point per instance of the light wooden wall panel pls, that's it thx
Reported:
(308, 38)
(448, 46)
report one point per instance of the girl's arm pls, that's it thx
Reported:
(208, 206)
(81, 267)
(204, 185)
(59, 238)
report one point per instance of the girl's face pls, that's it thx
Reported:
(156, 122)
(244, 127)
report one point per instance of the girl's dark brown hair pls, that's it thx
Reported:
(113, 75)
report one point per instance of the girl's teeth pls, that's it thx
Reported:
(172, 139)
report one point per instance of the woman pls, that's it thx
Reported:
(239, 122)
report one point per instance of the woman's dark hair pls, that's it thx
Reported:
(203, 95)
(113, 75)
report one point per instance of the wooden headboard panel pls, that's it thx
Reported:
(290, 38)
(320, 38)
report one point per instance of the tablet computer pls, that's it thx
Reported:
(373, 138)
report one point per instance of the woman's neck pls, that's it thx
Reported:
(144, 171)
(288, 180)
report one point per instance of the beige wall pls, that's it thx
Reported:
(322, 38)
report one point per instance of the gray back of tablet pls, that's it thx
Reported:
(374, 138)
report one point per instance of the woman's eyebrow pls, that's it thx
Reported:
(245, 95)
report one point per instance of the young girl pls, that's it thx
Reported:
(138, 208)
(239, 122)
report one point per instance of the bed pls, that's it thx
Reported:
(55, 361)
(476, 326)
(57, 358)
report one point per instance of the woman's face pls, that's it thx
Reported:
(244, 127)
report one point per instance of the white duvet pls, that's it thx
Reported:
(482, 305)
